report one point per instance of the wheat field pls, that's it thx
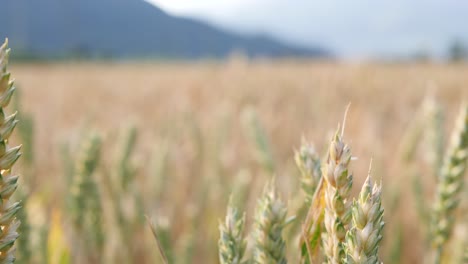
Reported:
(193, 147)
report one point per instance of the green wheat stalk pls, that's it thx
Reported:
(126, 170)
(259, 140)
(365, 235)
(449, 186)
(308, 163)
(231, 243)
(270, 219)
(86, 210)
(8, 156)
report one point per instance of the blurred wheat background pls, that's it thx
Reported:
(178, 139)
(233, 132)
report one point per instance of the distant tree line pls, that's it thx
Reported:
(457, 51)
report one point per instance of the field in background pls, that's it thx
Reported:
(194, 113)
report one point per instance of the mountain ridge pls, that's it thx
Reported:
(126, 28)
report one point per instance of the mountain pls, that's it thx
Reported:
(125, 28)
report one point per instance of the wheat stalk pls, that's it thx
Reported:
(308, 163)
(86, 203)
(125, 168)
(8, 156)
(449, 186)
(337, 205)
(434, 134)
(465, 254)
(154, 230)
(83, 182)
(363, 239)
(257, 136)
(270, 219)
(231, 242)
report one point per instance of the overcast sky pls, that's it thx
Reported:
(353, 29)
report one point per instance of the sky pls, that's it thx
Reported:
(351, 29)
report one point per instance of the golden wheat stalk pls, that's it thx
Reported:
(450, 185)
(8, 157)
(337, 205)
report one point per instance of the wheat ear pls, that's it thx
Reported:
(270, 219)
(8, 156)
(450, 184)
(231, 242)
(86, 203)
(363, 239)
(337, 206)
(308, 163)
